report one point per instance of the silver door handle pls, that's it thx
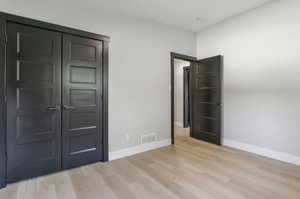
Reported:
(53, 108)
(67, 107)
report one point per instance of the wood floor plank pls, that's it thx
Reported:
(138, 178)
(191, 169)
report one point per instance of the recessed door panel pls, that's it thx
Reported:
(206, 81)
(83, 52)
(206, 95)
(206, 125)
(202, 70)
(83, 142)
(82, 119)
(83, 97)
(207, 110)
(83, 75)
(33, 86)
(31, 98)
(35, 71)
(30, 125)
(30, 49)
(36, 150)
(82, 86)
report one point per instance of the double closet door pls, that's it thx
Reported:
(54, 101)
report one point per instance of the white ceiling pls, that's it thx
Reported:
(188, 14)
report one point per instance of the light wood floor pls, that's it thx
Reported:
(191, 169)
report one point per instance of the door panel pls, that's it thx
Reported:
(206, 99)
(207, 110)
(82, 99)
(33, 86)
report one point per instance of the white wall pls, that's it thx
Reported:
(139, 99)
(178, 90)
(261, 75)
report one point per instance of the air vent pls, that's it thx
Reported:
(149, 138)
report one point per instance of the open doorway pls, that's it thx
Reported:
(181, 97)
(179, 62)
(196, 98)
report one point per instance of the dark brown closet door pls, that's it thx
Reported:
(206, 99)
(33, 102)
(82, 90)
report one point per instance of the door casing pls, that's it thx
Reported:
(4, 19)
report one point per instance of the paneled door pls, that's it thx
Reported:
(33, 102)
(82, 101)
(206, 99)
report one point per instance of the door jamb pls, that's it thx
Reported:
(3, 41)
(4, 18)
(186, 121)
(174, 56)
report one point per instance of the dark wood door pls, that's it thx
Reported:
(186, 96)
(33, 102)
(82, 101)
(206, 99)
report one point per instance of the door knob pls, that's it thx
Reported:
(67, 107)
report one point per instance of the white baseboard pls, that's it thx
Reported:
(285, 157)
(178, 124)
(138, 149)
